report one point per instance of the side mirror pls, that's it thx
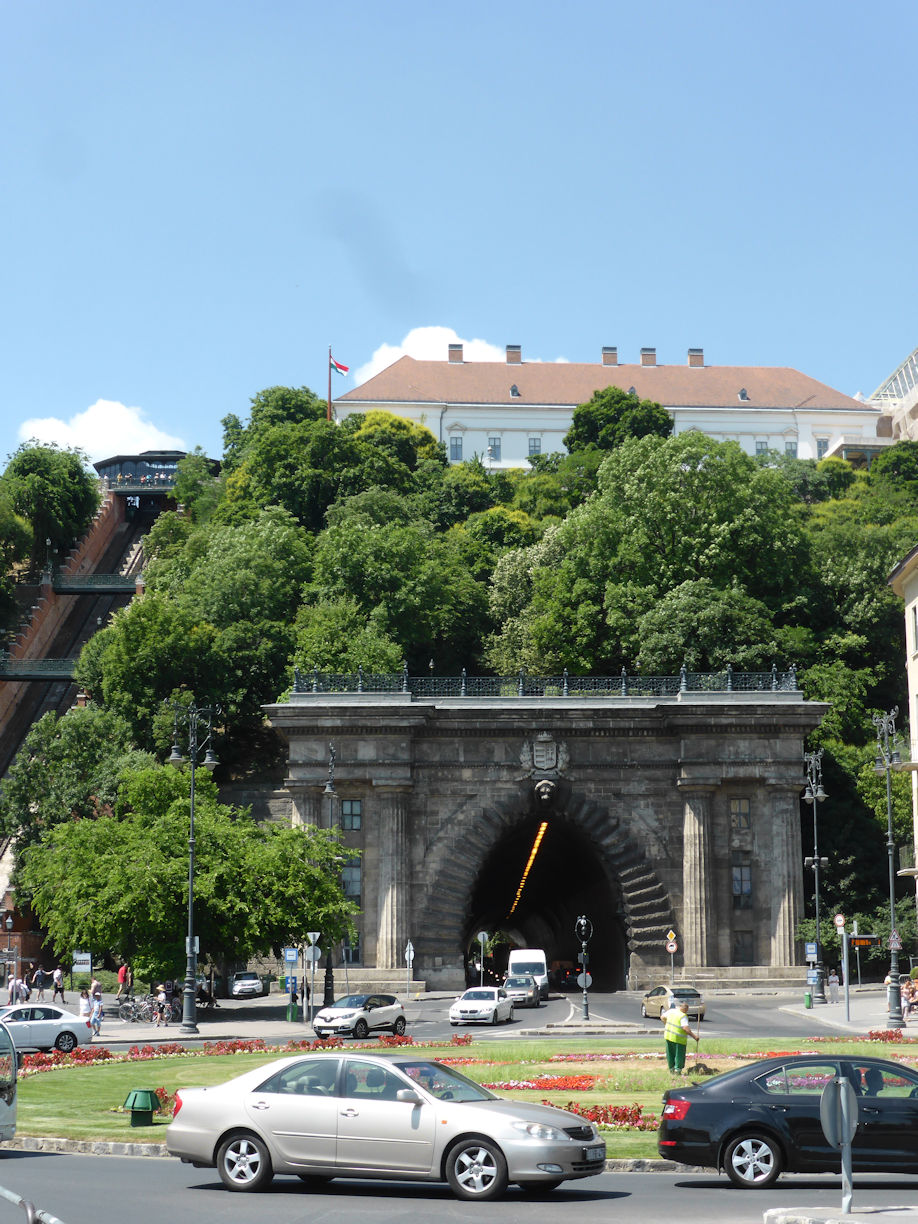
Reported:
(409, 1096)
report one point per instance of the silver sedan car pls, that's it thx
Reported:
(482, 1005)
(324, 1115)
(523, 990)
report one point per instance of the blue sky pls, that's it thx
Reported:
(198, 199)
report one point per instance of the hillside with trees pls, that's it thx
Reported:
(332, 546)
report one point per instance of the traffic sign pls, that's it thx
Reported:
(313, 936)
(837, 1115)
(670, 934)
(839, 920)
(482, 937)
(812, 950)
(290, 956)
(671, 946)
(894, 943)
(312, 955)
(584, 980)
(864, 941)
(409, 952)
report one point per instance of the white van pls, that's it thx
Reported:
(532, 961)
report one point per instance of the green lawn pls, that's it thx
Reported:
(83, 1102)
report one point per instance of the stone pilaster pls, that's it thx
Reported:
(786, 865)
(307, 807)
(698, 916)
(394, 899)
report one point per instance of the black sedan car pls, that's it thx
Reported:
(763, 1120)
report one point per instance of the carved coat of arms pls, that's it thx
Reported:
(543, 754)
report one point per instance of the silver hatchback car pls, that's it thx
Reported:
(324, 1115)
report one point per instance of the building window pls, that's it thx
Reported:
(494, 450)
(351, 813)
(790, 449)
(455, 448)
(350, 882)
(742, 886)
(351, 949)
(535, 446)
(915, 628)
(740, 814)
(743, 948)
(761, 448)
(822, 445)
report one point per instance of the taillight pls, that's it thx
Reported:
(676, 1110)
(177, 1105)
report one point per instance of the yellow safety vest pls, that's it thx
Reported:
(674, 1031)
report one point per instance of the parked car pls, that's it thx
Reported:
(763, 1120)
(41, 1026)
(662, 998)
(482, 1005)
(523, 991)
(356, 1015)
(394, 1115)
(247, 985)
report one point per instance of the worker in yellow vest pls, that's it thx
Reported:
(675, 1035)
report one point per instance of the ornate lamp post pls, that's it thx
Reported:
(814, 795)
(194, 718)
(887, 760)
(328, 996)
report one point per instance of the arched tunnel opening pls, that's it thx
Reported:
(532, 888)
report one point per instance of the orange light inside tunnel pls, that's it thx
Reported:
(532, 853)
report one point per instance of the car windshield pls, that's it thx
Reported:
(485, 995)
(519, 981)
(351, 1001)
(444, 1082)
(246, 977)
(533, 968)
(686, 994)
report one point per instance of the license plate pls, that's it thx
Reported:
(595, 1153)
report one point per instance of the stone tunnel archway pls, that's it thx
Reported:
(585, 864)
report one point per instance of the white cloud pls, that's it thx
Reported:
(432, 344)
(104, 429)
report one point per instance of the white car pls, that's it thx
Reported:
(247, 985)
(356, 1015)
(482, 1005)
(40, 1026)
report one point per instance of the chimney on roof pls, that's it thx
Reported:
(609, 355)
(514, 354)
(455, 352)
(696, 357)
(648, 356)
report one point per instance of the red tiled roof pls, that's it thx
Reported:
(567, 383)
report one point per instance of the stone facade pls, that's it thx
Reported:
(647, 814)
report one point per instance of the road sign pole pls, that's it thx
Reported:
(845, 971)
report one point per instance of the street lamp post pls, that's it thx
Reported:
(9, 941)
(194, 718)
(328, 995)
(887, 760)
(814, 795)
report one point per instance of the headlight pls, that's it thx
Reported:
(538, 1130)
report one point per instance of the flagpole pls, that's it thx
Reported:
(328, 411)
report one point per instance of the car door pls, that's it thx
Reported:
(657, 1001)
(378, 1012)
(44, 1026)
(18, 1021)
(297, 1112)
(377, 1131)
(887, 1133)
(789, 1104)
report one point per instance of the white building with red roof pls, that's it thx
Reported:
(505, 411)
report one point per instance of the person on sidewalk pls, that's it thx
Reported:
(96, 1014)
(675, 1036)
(57, 978)
(833, 986)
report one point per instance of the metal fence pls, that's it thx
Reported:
(563, 685)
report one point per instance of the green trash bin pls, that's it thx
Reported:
(807, 999)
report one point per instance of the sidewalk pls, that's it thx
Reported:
(866, 1008)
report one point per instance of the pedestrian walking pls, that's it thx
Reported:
(57, 978)
(833, 986)
(38, 983)
(96, 1015)
(85, 1004)
(675, 1036)
(162, 1012)
(11, 985)
(125, 982)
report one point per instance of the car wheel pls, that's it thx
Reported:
(510, 1017)
(454, 1024)
(398, 1028)
(753, 1160)
(66, 1042)
(643, 1011)
(476, 1169)
(361, 1029)
(243, 1163)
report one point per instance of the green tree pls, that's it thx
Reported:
(271, 407)
(611, 416)
(337, 635)
(51, 489)
(197, 485)
(707, 628)
(115, 884)
(404, 441)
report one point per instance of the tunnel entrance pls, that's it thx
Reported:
(530, 891)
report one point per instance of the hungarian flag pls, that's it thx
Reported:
(336, 365)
